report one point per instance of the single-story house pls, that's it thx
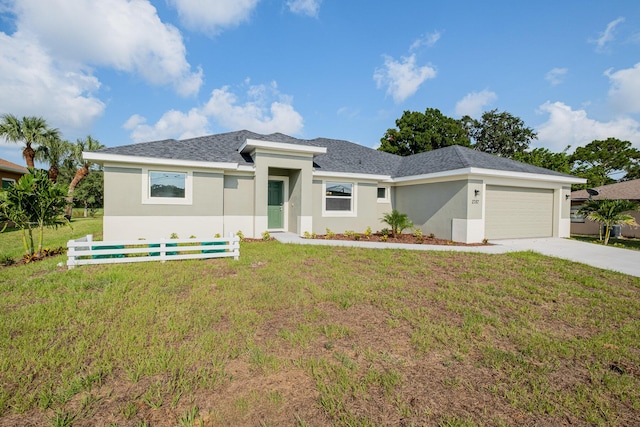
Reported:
(10, 172)
(626, 190)
(244, 181)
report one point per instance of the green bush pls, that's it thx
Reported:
(397, 221)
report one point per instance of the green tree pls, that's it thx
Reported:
(53, 150)
(33, 203)
(599, 159)
(544, 158)
(30, 131)
(397, 221)
(609, 213)
(89, 194)
(417, 132)
(499, 133)
(87, 144)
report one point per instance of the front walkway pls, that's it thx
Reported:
(606, 257)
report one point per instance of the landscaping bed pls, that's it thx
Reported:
(400, 238)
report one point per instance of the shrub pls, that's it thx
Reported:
(384, 237)
(397, 221)
(6, 260)
(266, 236)
(240, 235)
(385, 232)
(417, 233)
(330, 234)
(306, 235)
(368, 232)
(174, 236)
(349, 233)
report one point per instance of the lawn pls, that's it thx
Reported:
(625, 243)
(315, 335)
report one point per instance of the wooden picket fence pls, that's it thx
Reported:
(85, 250)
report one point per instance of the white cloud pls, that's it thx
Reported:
(125, 35)
(211, 17)
(566, 126)
(607, 35)
(624, 93)
(172, 124)
(402, 78)
(265, 110)
(33, 84)
(305, 7)
(427, 40)
(556, 76)
(473, 103)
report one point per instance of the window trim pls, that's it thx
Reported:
(354, 199)
(9, 180)
(146, 188)
(387, 194)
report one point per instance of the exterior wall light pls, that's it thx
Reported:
(476, 192)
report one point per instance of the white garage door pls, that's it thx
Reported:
(514, 212)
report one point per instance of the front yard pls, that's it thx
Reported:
(314, 335)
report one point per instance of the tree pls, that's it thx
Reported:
(499, 133)
(53, 150)
(87, 144)
(397, 221)
(33, 203)
(609, 213)
(89, 194)
(599, 159)
(416, 132)
(30, 131)
(544, 158)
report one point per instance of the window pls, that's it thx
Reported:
(575, 216)
(383, 194)
(166, 187)
(167, 184)
(339, 198)
(7, 182)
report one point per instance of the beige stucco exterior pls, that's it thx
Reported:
(224, 198)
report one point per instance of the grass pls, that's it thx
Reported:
(625, 243)
(312, 335)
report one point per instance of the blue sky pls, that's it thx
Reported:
(141, 70)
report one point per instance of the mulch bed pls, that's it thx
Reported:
(401, 238)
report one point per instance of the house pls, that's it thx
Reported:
(10, 172)
(626, 190)
(253, 183)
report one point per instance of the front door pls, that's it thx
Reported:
(275, 213)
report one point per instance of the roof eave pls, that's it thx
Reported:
(102, 158)
(492, 173)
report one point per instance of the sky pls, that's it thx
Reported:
(126, 71)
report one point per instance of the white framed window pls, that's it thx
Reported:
(7, 182)
(339, 198)
(575, 216)
(166, 187)
(384, 195)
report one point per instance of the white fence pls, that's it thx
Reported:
(86, 251)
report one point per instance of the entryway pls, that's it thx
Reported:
(276, 206)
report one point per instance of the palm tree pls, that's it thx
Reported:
(397, 221)
(609, 213)
(30, 130)
(87, 144)
(53, 150)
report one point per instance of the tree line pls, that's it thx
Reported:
(45, 144)
(505, 135)
(43, 198)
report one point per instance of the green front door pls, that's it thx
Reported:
(275, 213)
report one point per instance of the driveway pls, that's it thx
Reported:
(607, 257)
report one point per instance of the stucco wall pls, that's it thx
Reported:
(433, 206)
(366, 195)
(10, 175)
(123, 194)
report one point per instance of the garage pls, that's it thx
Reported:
(517, 212)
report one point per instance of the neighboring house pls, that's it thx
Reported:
(626, 190)
(10, 172)
(251, 182)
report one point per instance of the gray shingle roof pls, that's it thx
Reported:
(341, 156)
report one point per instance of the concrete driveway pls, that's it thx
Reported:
(606, 257)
